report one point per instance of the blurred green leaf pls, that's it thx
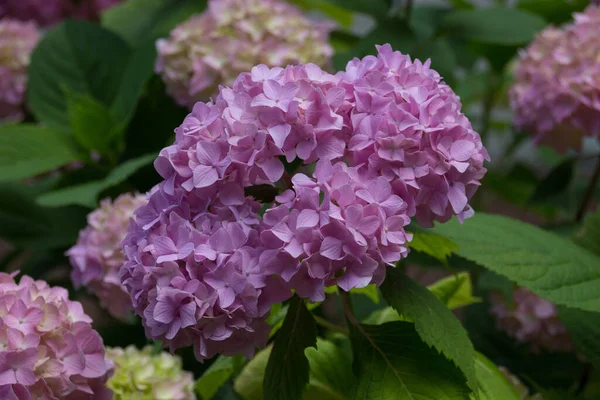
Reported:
(370, 291)
(287, 371)
(454, 291)
(91, 122)
(376, 8)
(391, 362)
(338, 14)
(434, 322)
(503, 26)
(584, 329)
(555, 11)
(137, 21)
(555, 182)
(433, 245)
(62, 61)
(27, 150)
(551, 266)
(589, 235)
(217, 374)
(249, 383)
(86, 194)
(493, 385)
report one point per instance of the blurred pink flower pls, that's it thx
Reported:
(232, 36)
(97, 255)
(531, 320)
(556, 93)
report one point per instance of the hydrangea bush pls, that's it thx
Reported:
(294, 209)
(203, 267)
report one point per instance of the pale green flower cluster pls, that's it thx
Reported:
(143, 375)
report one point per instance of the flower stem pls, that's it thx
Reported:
(589, 193)
(348, 309)
(332, 327)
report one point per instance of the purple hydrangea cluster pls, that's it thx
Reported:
(17, 40)
(531, 320)
(232, 36)
(556, 94)
(97, 256)
(49, 12)
(205, 262)
(48, 349)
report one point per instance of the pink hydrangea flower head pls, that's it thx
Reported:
(204, 264)
(556, 93)
(232, 36)
(48, 349)
(97, 256)
(532, 320)
(17, 40)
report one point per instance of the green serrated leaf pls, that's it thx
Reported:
(27, 150)
(391, 362)
(455, 291)
(589, 235)
(287, 371)
(86, 194)
(584, 329)
(63, 59)
(433, 245)
(502, 26)
(434, 322)
(216, 375)
(551, 266)
(492, 384)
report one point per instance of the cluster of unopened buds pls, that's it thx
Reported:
(377, 144)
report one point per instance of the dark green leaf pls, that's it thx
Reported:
(377, 8)
(584, 328)
(136, 21)
(28, 150)
(331, 375)
(287, 371)
(86, 194)
(492, 384)
(589, 235)
(434, 322)
(555, 182)
(503, 26)
(338, 14)
(391, 362)
(91, 122)
(555, 11)
(62, 62)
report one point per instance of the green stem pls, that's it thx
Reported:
(589, 193)
(328, 325)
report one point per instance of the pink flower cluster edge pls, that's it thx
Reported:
(49, 349)
(388, 142)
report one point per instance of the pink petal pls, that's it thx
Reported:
(331, 248)
(461, 150)
(205, 176)
(279, 133)
(307, 219)
(272, 167)
(164, 311)
(457, 197)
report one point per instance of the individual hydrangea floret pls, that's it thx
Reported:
(388, 142)
(17, 41)
(231, 37)
(48, 349)
(50, 12)
(98, 255)
(556, 94)
(144, 375)
(531, 320)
